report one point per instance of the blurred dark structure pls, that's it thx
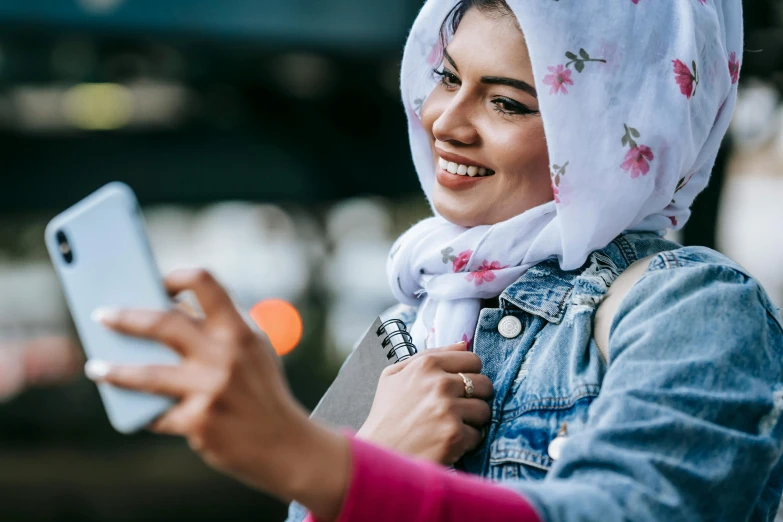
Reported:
(285, 100)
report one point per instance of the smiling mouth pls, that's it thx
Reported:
(464, 170)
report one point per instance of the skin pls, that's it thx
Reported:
(497, 126)
(234, 405)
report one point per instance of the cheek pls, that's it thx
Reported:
(523, 152)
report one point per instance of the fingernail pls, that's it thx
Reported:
(104, 315)
(96, 369)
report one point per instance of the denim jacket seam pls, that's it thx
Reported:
(671, 262)
(537, 310)
(517, 456)
(626, 250)
(551, 403)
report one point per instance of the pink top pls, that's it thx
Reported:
(388, 487)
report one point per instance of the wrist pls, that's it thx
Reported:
(318, 469)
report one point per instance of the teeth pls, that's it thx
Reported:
(464, 170)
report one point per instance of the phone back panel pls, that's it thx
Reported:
(112, 267)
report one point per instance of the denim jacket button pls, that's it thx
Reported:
(509, 327)
(556, 446)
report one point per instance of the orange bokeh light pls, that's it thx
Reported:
(281, 322)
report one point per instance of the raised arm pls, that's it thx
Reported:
(687, 425)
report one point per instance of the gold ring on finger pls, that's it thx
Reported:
(468, 385)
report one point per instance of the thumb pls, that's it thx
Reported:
(456, 347)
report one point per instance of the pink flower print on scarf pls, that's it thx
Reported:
(559, 78)
(638, 156)
(561, 74)
(458, 262)
(462, 260)
(637, 160)
(436, 54)
(557, 172)
(734, 67)
(612, 57)
(687, 81)
(467, 340)
(484, 273)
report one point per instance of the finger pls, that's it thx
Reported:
(471, 437)
(457, 347)
(172, 328)
(453, 362)
(179, 419)
(214, 300)
(474, 412)
(482, 385)
(169, 380)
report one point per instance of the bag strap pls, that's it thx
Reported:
(607, 308)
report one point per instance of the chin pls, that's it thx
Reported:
(457, 216)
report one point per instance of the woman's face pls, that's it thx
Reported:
(483, 118)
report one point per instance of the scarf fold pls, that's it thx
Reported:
(635, 96)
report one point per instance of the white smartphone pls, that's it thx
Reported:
(102, 257)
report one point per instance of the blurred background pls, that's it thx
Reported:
(266, 141)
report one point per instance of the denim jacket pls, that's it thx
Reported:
(681, 423)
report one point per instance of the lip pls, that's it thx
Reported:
(456, 158)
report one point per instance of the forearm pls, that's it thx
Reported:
(386, 486)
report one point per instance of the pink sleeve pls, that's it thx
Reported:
(389, 487)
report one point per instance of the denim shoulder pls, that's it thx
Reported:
(698, 293)
(691, 404)
(694, 267)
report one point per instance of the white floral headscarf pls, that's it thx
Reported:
(635, 96)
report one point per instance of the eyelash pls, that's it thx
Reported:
(449, 81)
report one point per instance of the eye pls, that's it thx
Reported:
(447, 78)
(510, 107)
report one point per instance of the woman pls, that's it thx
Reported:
(555, 140)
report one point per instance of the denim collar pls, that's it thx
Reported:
(544, 289)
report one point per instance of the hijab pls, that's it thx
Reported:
(635, 97)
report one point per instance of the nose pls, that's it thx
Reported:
(455, 123)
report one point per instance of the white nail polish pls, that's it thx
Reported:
(102, 315)
(96, 369)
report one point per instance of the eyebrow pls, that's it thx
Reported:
(517, 84)
(498, 80)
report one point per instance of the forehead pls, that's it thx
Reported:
(490, 40)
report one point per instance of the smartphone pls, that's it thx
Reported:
(102, 257)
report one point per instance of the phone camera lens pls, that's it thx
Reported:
(64, 246)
